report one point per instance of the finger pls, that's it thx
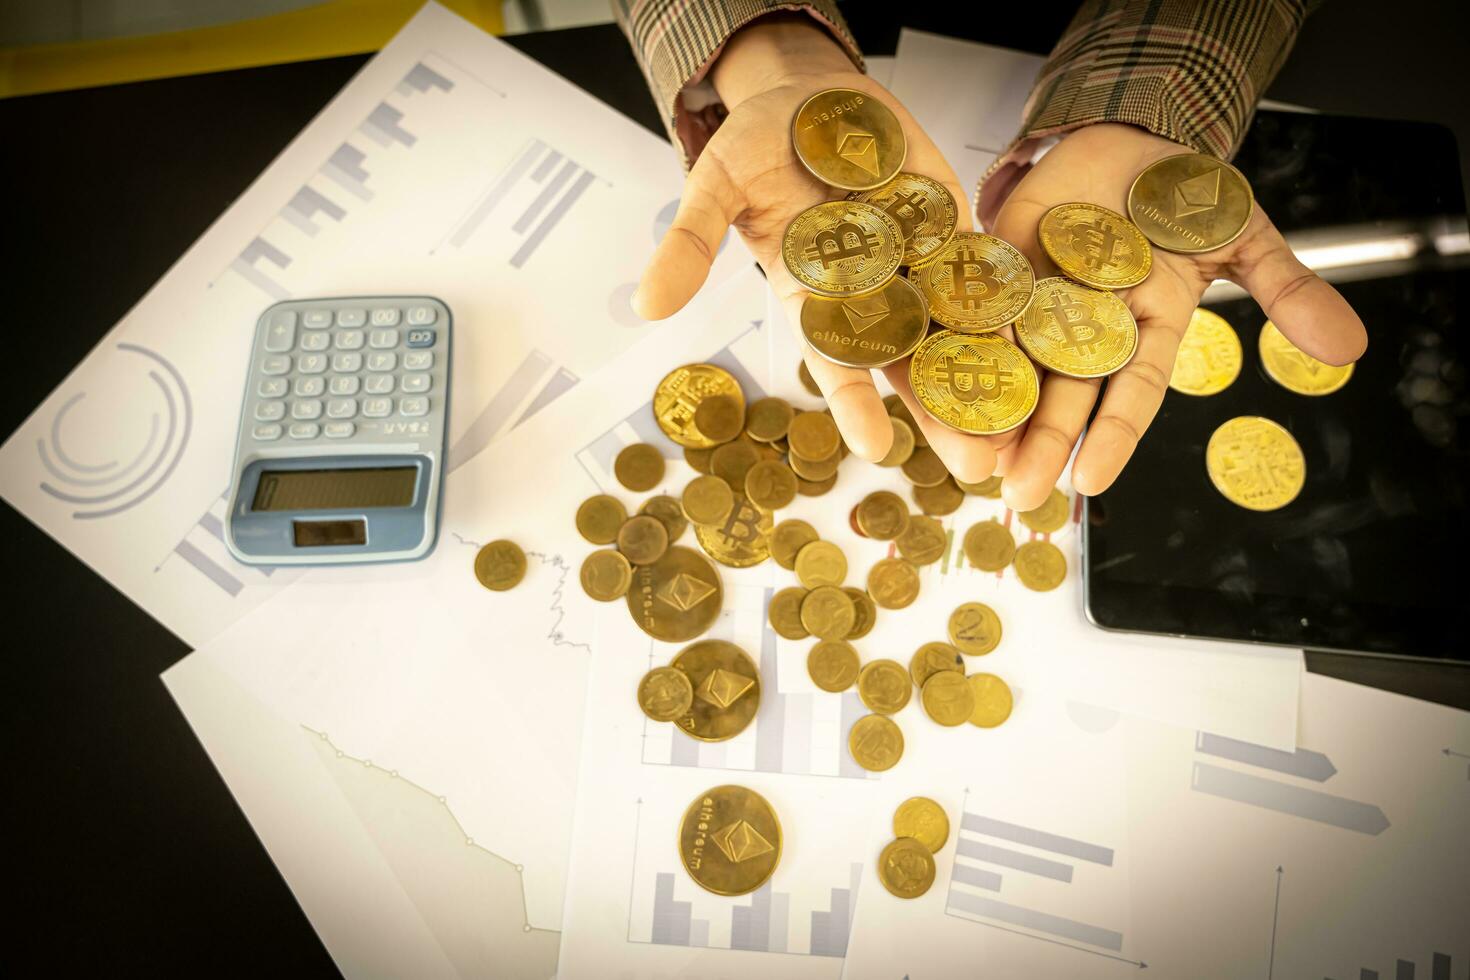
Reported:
(1050, 437)
(1311, 314)
(682, 260)
(970, 458)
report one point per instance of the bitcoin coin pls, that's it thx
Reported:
(974, 629)
(988, 487)
(814, 436)
(989, 546)
(727, 690)
(868, 331)
(903, 444)
(665, 694)
(848, 139)
(820, 563)
(827, 613)
(1190, 203)
(924, 468)
(876, 742)
(884, 686)
(1050, 516)
(669, 513)
(678, 395)
(924, 820)
(720, 418)
(804, 375)
(500, 565)
(992, 700)
(600, 517)
(733, 460)
(1095, 246)
(1209, 356)
(770, 485)
(925, 212)
(842, 248)
(832, 665)
(730, 840)
(784, 613)
(768, 419)
(1296, 370)
(698, 459)
(708, 500)
(924, 541)
(1255, 463)
(906, 868)
(893, 583)
(639, 467)
(883, 515)
(947, 698)
(982, 385)
(788, 538)
(676, 598)
(643, 539)
(1040, 565)
(930, 659)
(976, 283)
(940, 500)
(606, 575)
(1077, 331)
(866, 612)
(741, 540)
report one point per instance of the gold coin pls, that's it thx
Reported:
(876, 742)
(804, 375)
(708, 500)
(676, 598)
(947, 698)
(903, 444)
(820, 563)
(720, 418)
(1095, 246)
(814, 470)
(1190, 203)
(832, 665)
(898, 410)
(606, 575)
(828, 613)
(768, 419)
(992, 700)
(1255, 463)
(924, 468)
(866, 612)
(925, 212)
(976, 283)
(814, 436)
(868, 331)
(930, 659)
(500, 565)
(924, 541)
(893, 583)
(848, 139)
(678, 395)
(974, 629)
(788, 538)
(814, 488)
(1078, 331)
(698, 459)
(600, 517)
(733, 460)
(770, 485)
(1051, 516)
(639, 467)
(884, 686)
(669, 513)
(940, 500)
(1040, 565)
(730, 840)
(988, 487)
(1209, 356)
(982, 385)
(924, 820)
(842, 248)
(906, 868)
(665, 694)
(643, 539)
(883, 515)
(989, 546)
(1296, 370)
(741, 540)
(784, 613)
(727, 690)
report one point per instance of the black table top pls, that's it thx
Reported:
(127, 849)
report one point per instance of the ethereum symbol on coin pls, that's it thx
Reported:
(1196, 194)
(684, 592)
(862, 314)
(723, 688)
(858, 148)
(741, 842)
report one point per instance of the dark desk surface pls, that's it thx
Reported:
(127, 849)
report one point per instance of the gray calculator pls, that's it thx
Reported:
(340, 455)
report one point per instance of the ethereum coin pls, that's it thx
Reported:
(643, 539)
(974, 629)
(884, 686)
(832, 665)
(947, 698)
(1040, 565)
(1296, 370)
(500, 565)
(982, 385)
(784, 613)
(676, 598)
(788, 538)
(924, 820)
(924, 541)
(976, 283)
(868, 331)
(1255, 463)
(1209, 356)
(1076, 330)
(639, 467)
(924, 210)
(989, 546)
(665, 694)
(730, 840)
(828, 613)
(1190, 203)
(599, 518)
(906, 868)
(1051, 516)
(992, 700)
(820, 563)
(727, 690)
(876, 742)
(882, 515)
(1095, 246)
(893, 583)
(848, 139)
(930, 659)
(842, 248)
(741, 540)
(678, 395)
(606, 575)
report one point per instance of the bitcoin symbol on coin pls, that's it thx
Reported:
(962, 278)
(982, 380)
(846, 240)
(1071, 317)
(909, 210)
(1096, 242)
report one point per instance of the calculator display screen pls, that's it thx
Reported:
(335, 489)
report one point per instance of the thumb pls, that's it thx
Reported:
(682, 260)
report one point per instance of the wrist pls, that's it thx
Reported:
(772, 49)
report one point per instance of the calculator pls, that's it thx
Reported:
(340, 453)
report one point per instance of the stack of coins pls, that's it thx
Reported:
(920, 830)
(711, 691)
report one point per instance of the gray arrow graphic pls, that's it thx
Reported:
(1365, 818)
(1275, 917)
(1303, 762)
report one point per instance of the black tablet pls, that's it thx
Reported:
(1365, 558)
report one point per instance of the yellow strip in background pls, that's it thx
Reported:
(325, 30)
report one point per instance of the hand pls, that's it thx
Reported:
(1097, 164)
(749, 177)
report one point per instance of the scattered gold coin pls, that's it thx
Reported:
(500, 565)
(639, 467)
(813, 436)
(606, 575)
(989, 546)
(1051, 516)
(643, 539)
(866, 612)
(848, 139)
(893, 583)
(940, 500)
(903, 444)
(925, 212)
(1078, 331)
(975, 283)
(924, 820)
(732, 461)
(820, 563)
(669, 513)
(678, 396)
(832, 665)
(665, 694)
(828, 613)
(947, 698)
(788, 538)
(815, 470)
(727, 690)
(974, 629)
(1296, 370)
(988, 487)
(599, 518)
(814, 488)
(924, 541)
(1255, 463)
(1209, 356)
(1190, 203)
(906, 868)
(983, 385)
(1095, 246)
(884, 686)
(730, 840)
(708, 500)
(876, 742)
(770, 485)
(1040, 565)
(924, 468)
(676, 598)
(869, 331)
(742, 540)
(992, 700)
(720, 418)
(768, 419)
(784, 613)
(842, 248)
(804, 375)
(930, 659)
(698, 459)
(882, 515)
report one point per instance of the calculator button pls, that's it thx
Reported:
(382, 361)
(415, 382)
(383, 339)
(265, 433)
(316, 319)
(306, 410)
(351, 318)
(270, 411)
(345, 385)
(377, 408)
(304, 430)
(418, 405)
(272, 387)
(275, 364)
(338, 430)
(346, 363)
(378, 384)
(311, 363)
(281, 334)
(315, 341)
(341, 408)
(385, 318)
(349, 339)
(421, 338)
(310, 387)
(418, 360)
(422, 316)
